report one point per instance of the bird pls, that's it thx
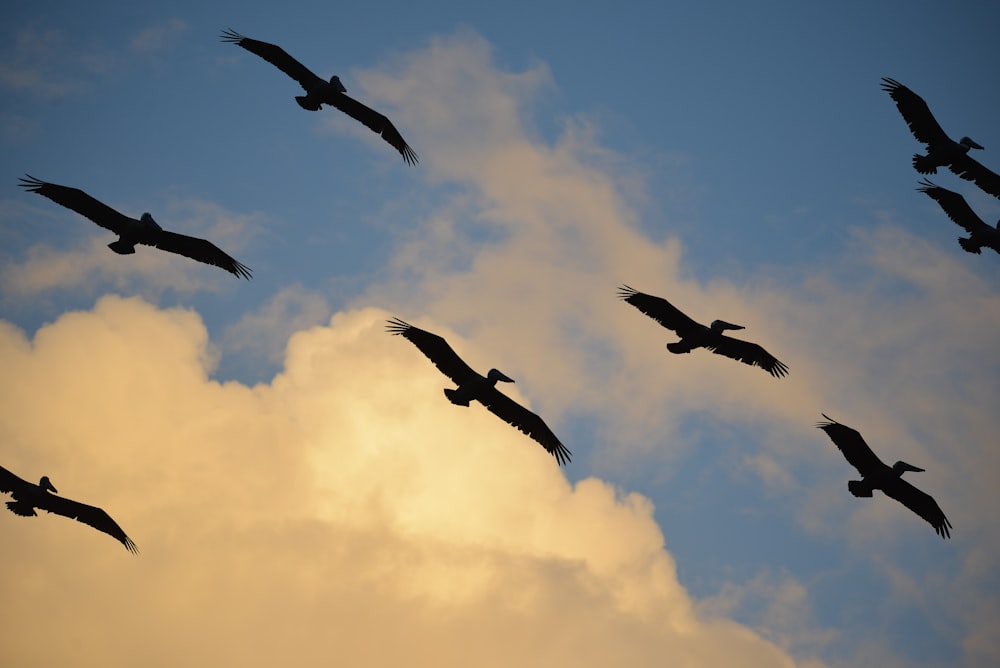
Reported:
(942, 150)
(980, 234)
(130, 231)
(695, 335)
(472, 386)
(28, 497)
(320, 92)
(876, 475)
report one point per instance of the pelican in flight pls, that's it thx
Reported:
(942, 150)
(696, 335)
(131, 231)
(876, 475)
(28, 497)
(319, 92)
(473, 386)
(980, 234)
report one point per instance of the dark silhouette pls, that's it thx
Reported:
(876, 475)
(980, 234)
(28, 497)
(319, 92)
(695, 335)
(131, 231)
(473, 386)
(942, 150)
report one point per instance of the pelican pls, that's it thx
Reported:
(980, 234)
(130, 231)
(695, 335)
(28, 497)
(942, 150)
(473, 386)
(319, 92)
(876, 475)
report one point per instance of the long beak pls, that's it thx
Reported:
(903, 466)
(45, 483)
(970, 143)
(721, 325)
(495, 374)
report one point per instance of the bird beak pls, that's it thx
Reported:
(47, 484)
(910, 467)
(497, 375)
(970, 143)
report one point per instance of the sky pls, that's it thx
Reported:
(297, 484)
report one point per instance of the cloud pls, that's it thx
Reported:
(39, 62)
(346, 511)
(158, 37)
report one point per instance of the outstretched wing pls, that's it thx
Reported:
(915, 112)
(376, 122)
(921, 503)
(277, 56)
(527, 422)
(748, 353)
(660, 310)
(10, 482)
(89, 515)
(853, 447)
(200, 250)
(79, 201)
(970, 170)
(954, 205)
(436, 349)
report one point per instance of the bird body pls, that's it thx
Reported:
(320, 92)
(942, 150)
(130, 231)
(875, 474)
(28, 497)
(473, 386)
(696, 335)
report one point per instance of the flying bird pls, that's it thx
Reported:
(131, 231)
(28, 497)
(471, 386)
(695, 335)
(320, 92)
(942, 150)
(876, 475)
(980, 234)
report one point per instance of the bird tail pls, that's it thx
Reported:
(22, 509)
(860, 488)
(680, 347)
(122, 247)
(306, 103)
(969, 245)
(924, 164)
(455, 398)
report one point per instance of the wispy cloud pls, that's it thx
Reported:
(158, 37)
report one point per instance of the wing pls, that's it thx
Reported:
(915, 112)
(660, 310)
(436, 349)
(954, 205)
(748, 353)
(970, 170)
(89, 515)
(376, 122)
(79, 201)
(277, 56)
(200, 250)
(853, 447)
(10, 483)
(527, 422)
(919, 502)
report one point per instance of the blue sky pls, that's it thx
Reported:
(741, 162)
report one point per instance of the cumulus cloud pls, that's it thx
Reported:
(345, 510)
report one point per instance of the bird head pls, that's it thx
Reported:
(336, 83)
(720, 325)
(901, 467)
(496, 375)
(147, 222)
(47, 485)
(967, 141)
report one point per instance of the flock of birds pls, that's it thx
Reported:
(942, 151)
